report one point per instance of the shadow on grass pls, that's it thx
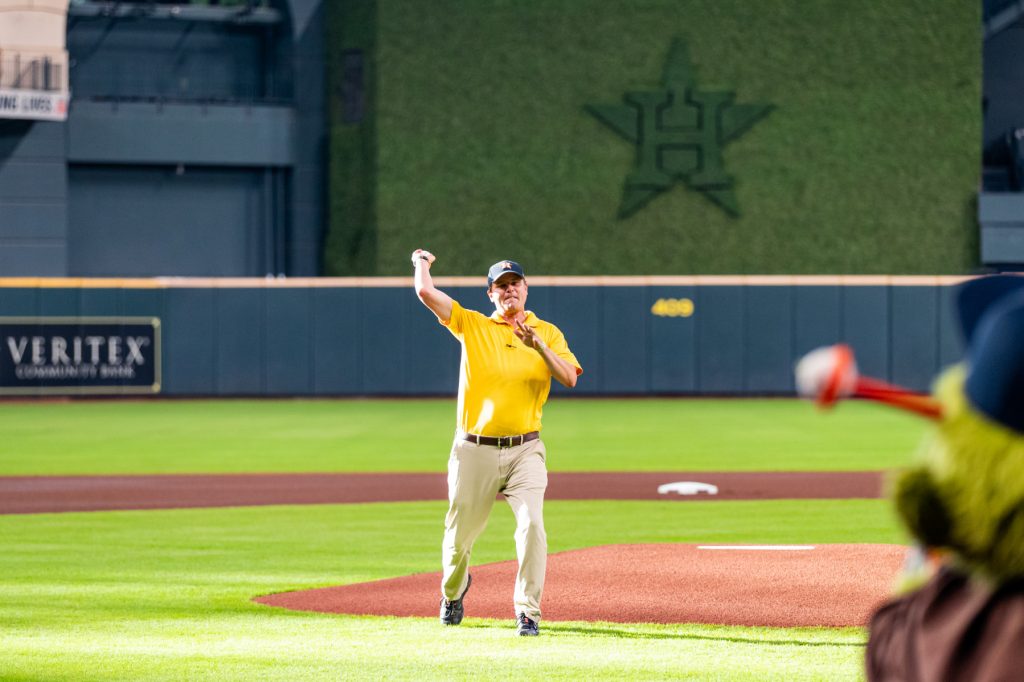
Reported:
(611, 631)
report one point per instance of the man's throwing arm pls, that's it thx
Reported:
(435, 299)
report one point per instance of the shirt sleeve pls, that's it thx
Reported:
(560, 347)
(457, 322)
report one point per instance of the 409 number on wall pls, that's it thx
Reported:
(672, 307)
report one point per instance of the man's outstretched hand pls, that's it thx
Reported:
(422, 255)
(528, 336)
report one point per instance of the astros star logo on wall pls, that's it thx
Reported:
(679, 132)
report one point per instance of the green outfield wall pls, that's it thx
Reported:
(371, 336)
(484, 138)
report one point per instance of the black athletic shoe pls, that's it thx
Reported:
(526, 626)
(452, 611)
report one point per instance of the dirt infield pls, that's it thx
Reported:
(43, 494)
(825, 585)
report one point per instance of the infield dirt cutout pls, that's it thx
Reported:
(780, 586)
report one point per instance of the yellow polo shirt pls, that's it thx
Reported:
(503, 384)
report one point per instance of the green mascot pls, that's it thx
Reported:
(961, 612)
(964, 502)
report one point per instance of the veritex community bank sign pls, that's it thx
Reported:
(71, 355)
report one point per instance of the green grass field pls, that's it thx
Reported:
(206, 436)
(166, 594)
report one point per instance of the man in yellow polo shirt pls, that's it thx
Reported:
(508, 360)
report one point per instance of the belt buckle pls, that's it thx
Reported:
(511, 441)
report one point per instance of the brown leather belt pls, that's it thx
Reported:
(501, 441)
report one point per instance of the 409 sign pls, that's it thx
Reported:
(672, 307)
(79, 355)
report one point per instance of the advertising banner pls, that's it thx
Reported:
(34, 104)
(79, 355)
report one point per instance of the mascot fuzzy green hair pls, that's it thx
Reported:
(962, 500)
(965, 497)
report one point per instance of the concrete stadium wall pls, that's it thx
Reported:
(354, 337)
(180, 125)
(33, 198)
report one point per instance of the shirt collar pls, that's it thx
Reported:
(530, 318)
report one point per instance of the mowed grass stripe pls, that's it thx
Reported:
(211, 436)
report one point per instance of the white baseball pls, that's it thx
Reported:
(422, 254)
(815, 369)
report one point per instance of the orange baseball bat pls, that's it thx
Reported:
(844, 381)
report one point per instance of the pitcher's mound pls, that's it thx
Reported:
(783, 586)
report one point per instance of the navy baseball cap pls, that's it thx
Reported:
(991, 316)
(503, 267)
(977, 296)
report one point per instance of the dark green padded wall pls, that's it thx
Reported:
(351, 341)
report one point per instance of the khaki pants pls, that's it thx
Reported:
(476, 474)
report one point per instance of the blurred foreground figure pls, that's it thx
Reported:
(964, 503)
